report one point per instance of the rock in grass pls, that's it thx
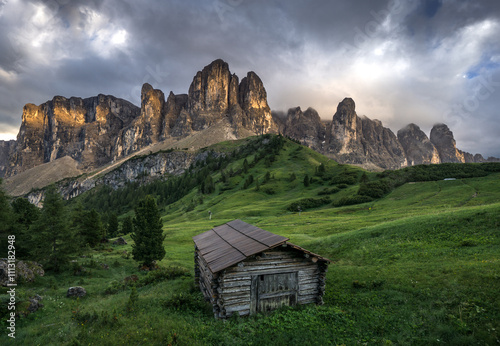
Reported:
(35, 303)
(76, 291)
(120, 241)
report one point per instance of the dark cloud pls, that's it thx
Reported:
(402, 61)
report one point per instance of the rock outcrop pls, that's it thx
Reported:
(101, 129)
(26, 271)
(305, 127)
(359, 140)
(84, 129)
(6, 150)
(417, 146)
(216, 93)
(443, 140)
(76, 291)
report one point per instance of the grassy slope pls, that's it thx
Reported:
(420, 266)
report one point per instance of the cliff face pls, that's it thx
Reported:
(443, 140)
(138, 169)
(417, 146)
(98, 130)
(84, 129)
(6, 150)
(359, 140)
(216, 93)
(306, 127)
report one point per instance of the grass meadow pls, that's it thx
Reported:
(420, 266)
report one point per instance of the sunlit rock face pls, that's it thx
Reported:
(443, 140)
(215, 93)
(360, 140)
(98, 130)
(84, 129)
(417, 146)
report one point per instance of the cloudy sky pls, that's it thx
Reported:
(402, 61)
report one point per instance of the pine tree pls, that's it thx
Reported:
(24, 215)
(92, 228)
(53, 240)
(364, 178)
(267, 177)
(127, 225)
(321, 169)
(208, 185)
(306, 181)
(245, 166)
(112, 225)
(148, 235)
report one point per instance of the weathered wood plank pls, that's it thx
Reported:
(233, 308)
(262, 268)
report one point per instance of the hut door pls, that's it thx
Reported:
(275, 290)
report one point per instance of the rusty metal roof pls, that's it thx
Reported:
(228, 244)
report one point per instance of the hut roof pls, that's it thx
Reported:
(230, 243)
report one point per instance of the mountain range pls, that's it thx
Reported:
(102, 130)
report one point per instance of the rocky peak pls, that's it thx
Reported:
(305, 127)
(417, 146)
(209, 90)
(443, 140)
(252, 93)
(342, 133)
(215, 93)
(152, 112)
(359, 140)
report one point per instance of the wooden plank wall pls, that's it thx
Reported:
(234, 284)
(207, 282)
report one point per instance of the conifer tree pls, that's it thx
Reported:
(24, 215)
(112, 225)
(127, 225)
(92, 228)
(245, 166)
(53, 240)
(306, 181)
(148, 234)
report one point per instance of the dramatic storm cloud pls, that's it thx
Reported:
(402, 61)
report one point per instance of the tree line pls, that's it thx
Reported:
(56, 233)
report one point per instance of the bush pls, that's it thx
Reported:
(327, 191)
(114, 287)
(308, 203)
(185, 301)
(268, 190)
(162, 274)
(351, 200)
(346, 177)
(375, 189)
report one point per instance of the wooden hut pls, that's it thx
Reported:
(243, 269)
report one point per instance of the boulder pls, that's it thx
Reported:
(120, 241)
(76, 291)
(35, 303)
(25, 270)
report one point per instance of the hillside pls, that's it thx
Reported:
(416, 265)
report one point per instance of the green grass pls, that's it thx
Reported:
(420, 266)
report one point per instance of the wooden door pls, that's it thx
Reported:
(275, 290)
